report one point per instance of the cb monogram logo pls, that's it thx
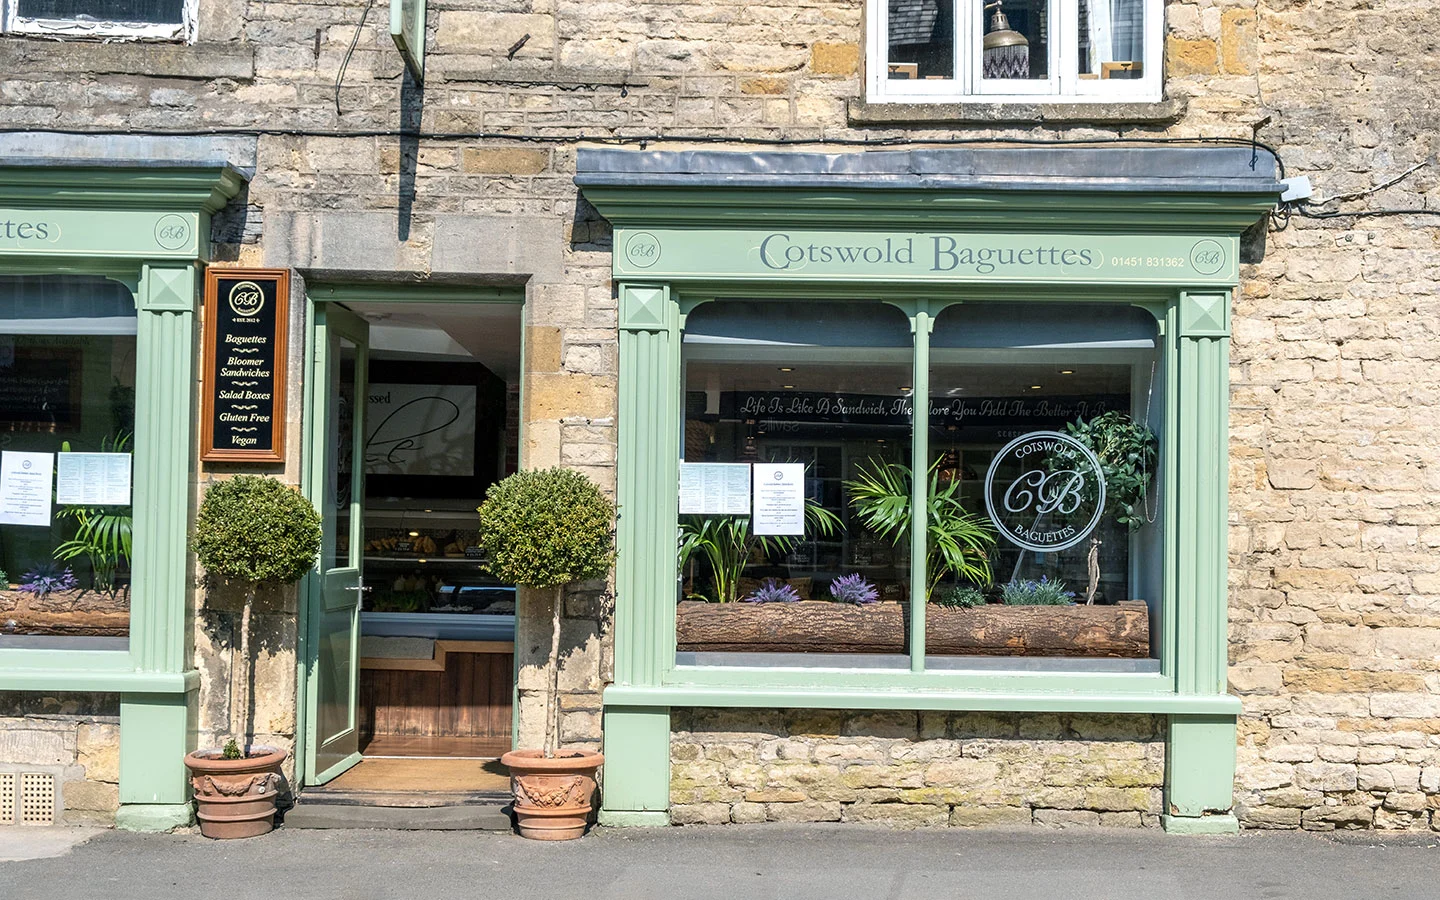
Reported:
(642, 250)
(1207, 257)
(246, 299)
(1045, 491)
(172, 232)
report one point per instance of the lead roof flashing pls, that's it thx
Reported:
(1187, 169)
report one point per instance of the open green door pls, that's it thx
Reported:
(336, 485)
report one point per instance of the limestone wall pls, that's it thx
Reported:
(914, 769)
(72, 738)
(1335, 579)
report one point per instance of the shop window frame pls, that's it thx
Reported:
(1065, 84)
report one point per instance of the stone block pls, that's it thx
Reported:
(1322, 776)
(1121, 820)
(962, 773)
(92, 796)
(1185, 57)
(20, 743)
(98, 750)
(834, 58)
(699, 813)
(806, 811)
(557, 396)
(1329, 818)
(1270, 817)
(764, 84)
(1238, 41)
(747, 813)
(1121, 799)
(898, 815)
(1067, 818)
(982, 816)
(494, 33)
(504, 161)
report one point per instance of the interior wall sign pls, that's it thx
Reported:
(243, 393)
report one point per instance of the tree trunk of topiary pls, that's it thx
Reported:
(552, 697)
(240, 676)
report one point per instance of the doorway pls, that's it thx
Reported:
(408, 656)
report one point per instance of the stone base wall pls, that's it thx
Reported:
(915, 769)
(73, 737)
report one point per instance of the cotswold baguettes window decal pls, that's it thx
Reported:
(246, 311)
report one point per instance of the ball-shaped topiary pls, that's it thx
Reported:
(547, 527)
(256, 529)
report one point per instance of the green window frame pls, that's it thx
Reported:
(148, 229)
(685, 235)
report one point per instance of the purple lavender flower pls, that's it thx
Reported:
(47, 578)
(772, 590)
(853, 589)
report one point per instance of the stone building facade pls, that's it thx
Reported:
(1334, 521)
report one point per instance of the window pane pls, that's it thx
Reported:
(160, 11)
(1032, 409)
(1016, 39)
(922, 39)
(67, 422)
(1112, 39)
(826, 389)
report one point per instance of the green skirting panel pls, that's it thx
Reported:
(637, 767)
(154, 817)
(154, 738)
(1200, 775)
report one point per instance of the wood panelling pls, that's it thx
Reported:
(470, 697)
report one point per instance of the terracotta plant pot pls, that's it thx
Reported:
(553, 797)
(236, 797)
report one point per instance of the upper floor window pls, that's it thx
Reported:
(941, 51)
(155, 19)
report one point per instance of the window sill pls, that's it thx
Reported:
(862, 112)
(166, 59)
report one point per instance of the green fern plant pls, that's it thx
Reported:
(726, 544)
(957, 542)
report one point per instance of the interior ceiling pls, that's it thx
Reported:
(889, 380)
(487, 333)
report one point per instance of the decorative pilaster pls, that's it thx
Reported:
(1201, 749)
(637, 782)
(156, 729)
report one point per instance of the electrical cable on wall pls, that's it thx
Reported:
(350, 51)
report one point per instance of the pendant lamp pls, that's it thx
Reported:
(1007, 52)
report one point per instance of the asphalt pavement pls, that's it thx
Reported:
(751, 862)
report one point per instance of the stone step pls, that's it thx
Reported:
(400, 811)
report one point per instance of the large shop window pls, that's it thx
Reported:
(1041, 516)
(1015, 50)
(67, 424)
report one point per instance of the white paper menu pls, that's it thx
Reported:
(93, 479)
(715, 489)
(779, 499)
(25, 480)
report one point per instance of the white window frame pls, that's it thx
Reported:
(11, 22)
(1063, 86)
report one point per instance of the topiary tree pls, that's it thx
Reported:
(544, 529)
(253, 530)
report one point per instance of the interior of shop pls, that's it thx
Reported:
(829, 386)
(437, 633)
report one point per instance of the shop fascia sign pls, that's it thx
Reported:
(925, 256)
(99, 233)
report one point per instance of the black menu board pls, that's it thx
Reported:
(246, 312)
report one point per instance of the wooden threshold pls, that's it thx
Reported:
(419, 745)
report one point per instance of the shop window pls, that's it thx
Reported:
(940, 51)
(1039, 482)
(67, 424)
(1043, 424)
(160, 19)
(788, 407)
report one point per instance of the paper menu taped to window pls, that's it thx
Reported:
(25, 480)
(779, 499)
(715, 489)
(93, 479)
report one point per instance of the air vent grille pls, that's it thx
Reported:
(37, 799)
(7, 798)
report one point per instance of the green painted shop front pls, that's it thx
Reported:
(1119, 227)
(147, 228)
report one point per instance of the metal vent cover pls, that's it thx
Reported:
(7, 798)
(37, 799)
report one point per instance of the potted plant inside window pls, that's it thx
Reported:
(251, 531)
(545, 529)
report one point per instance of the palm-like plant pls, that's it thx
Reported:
(103, 534)
(726, 544)
(957, 542)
